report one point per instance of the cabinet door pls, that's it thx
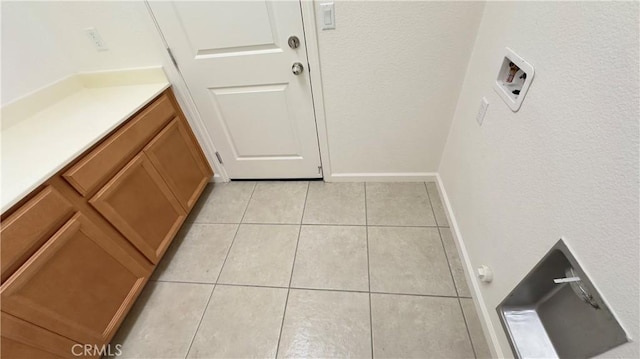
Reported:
(95, 168)
(79, 284)
(23, 340)
(141, 206)
(178, 159)
(30, 226)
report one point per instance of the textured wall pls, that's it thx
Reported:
(391, 75)
(566, 164)
(43, 42)
(31, 57)
(125, 26)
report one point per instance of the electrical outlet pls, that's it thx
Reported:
(96, 39)
(484, 104)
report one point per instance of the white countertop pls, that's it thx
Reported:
(37, 147)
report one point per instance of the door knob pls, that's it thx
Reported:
(293, 42)
(297, 68)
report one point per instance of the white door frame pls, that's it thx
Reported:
(188, 106)
(315, 76)
(193, 115)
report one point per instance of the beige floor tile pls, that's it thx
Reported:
(222, 203)
(277, 202)
(475, 329)
(240, 322)
(399, 204)
(335, 203)
(455, 263)
(408, 260)
(323, 324)
(436, 203)
(332, 257)
(418, 327)
(197, 253)
(163, 321)
(261, 255)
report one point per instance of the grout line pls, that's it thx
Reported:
(444, 248)
(286, 302)
(251, 285)
(418, 295)
(314, 289)
(433, 212)
(455, 286)
(236, 234)
(366, 221)
(195, 333)
(220, 273)
(466, 325)
(331, 290)
(426, 187)
(319, 224)
(181, 281)
(446, 256)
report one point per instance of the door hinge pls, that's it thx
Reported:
(173, 59)
(219, 158)
(319, 170)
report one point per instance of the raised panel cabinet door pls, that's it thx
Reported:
(177, 157)
(24, 340)
(141, 206)
(95, 168)
(80, 284)
(30, 226)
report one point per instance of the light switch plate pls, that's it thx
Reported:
(327, 16)
(484, 104)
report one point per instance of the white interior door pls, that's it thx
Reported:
(238, 66)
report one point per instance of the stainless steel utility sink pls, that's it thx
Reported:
(555, 312)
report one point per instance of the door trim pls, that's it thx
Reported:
(185, 100)
(310, 27)
(193, 115)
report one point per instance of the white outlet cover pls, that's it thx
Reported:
(95, 38)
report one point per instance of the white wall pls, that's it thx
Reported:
(31, 58)
(566, 164)
(391, 73)
(43, 42)
(125, 27)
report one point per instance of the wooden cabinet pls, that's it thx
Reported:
(29, 227)
(76, 253)
(95, 169)
(80, 284)
(176, 156)
(138, 202)
(23, 340)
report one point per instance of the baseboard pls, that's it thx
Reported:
(481, 308)
(216, 179)
(382, 177)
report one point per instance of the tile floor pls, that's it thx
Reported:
(309, 269)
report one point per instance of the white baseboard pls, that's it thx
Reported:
(474, 285)
(216, 179)
(382, 177)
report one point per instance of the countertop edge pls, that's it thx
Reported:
(7, 204)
